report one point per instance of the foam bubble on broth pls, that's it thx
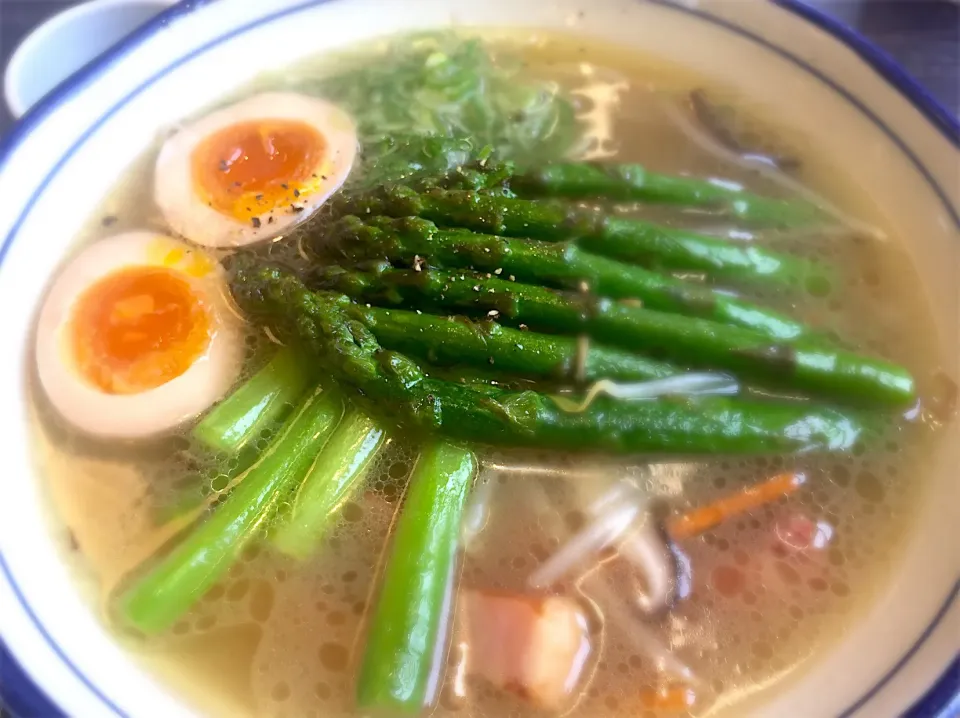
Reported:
(281, 638)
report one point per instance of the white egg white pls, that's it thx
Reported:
(129, 416)
(191, 216)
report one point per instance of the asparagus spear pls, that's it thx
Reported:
(565, 265)
(455, 340)
(480, 380)
(327, 324)
(338, 471)
(631, 240)
(419, 573)
(634, 182)
(255, 405)
(159, 597)
(800, 366)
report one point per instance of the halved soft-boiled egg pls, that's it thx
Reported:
(252, 170)
(135, 336)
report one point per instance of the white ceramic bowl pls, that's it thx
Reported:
(68, 151)
(67, 42)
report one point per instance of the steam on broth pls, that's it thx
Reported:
(671, 579)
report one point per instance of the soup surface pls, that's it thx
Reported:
(754, 593)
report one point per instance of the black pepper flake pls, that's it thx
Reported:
(270, 219)
(255, 221)
(258, 197)
(295, 209)
(72, 541)
(224, 166)
(323, 177)
(237, 184)
(296, 193)
(284, 185)
(108, 220)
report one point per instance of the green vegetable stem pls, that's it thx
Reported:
(335, 476)
(487, 344)
(255, 405)
(621, 238)
(407, 619)
(756, 359)
(328, 324)
(564, 265)
(156, 599)
(577, 180)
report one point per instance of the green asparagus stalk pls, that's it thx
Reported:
(578, 180)
(334, 477)
(158, 598)
(420, 571)
(327, 323)
(255, 405)
(755, 358)
(631, 240)
(481, 380)
(457, 340)
(564, 265)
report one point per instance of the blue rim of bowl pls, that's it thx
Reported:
(940, 700)
(884, 64)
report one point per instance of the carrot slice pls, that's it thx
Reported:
(674, 698)
(704, 518)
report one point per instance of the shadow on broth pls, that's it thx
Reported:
(490, 377)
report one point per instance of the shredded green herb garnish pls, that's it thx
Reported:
(443, 85)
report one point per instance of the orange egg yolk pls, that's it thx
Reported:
(252, 168)
(138, 328)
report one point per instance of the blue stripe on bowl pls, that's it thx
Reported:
(885, 65)
(21, 698)
(943, 699)
(918, 644)
(25, 696)
(28, 700)
(900, 80)
(79, 80)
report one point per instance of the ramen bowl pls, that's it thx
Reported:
(67, 152)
